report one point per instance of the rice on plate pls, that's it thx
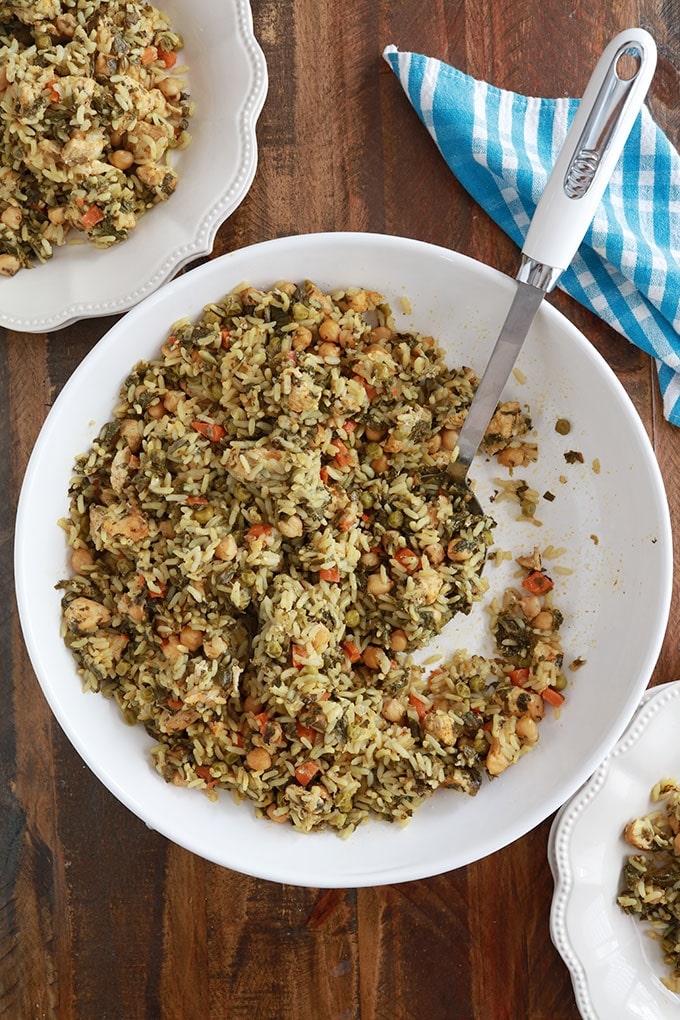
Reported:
(266, 531)
(89, 108)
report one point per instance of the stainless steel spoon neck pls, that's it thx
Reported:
(538, 274)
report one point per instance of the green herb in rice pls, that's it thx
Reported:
(90, 108)
(262, 536)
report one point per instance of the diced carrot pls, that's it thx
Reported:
(419, 706)
(149, 54)
(225, 336)
(262, 718)
(371, 391)
(553, 697)
(197, 500)
(352, 650)
(332, 574)
(92, 217)
(537, 583)
(305, 772)
(518, 676)
(174, 703)
(210, 430)
(306, 732)
(204, 773)
(323, 475)
(259, 530)
(169, 57)
(53, 93)
(298, 656)
(349, 426)
(408, 559)
(343, 456)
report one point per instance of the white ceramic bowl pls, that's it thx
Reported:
(227, 78)
(614, 525)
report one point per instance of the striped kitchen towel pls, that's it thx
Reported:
(501, 146)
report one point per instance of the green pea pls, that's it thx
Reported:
(352, 618)
(396, 519)
(248, 577)
(203, 515)
(373, 451)
(563, 426)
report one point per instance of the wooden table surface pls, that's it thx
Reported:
(101, 917)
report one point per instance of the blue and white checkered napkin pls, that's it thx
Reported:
(501, 146)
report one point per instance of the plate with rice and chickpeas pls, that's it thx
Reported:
(111, 119)
(334, 673)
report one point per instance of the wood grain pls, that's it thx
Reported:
(101, 917)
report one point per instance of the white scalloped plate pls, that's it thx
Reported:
(614, 523)
(616, 968)
(227, 76)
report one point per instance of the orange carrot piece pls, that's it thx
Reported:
(305, 772)
(210, 430)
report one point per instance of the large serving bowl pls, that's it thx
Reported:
(227, 80)
(609, 513)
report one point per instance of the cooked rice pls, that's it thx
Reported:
(262, 536)
(89, 111)
(651, 880)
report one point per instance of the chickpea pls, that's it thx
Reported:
(456, 554)
(511, 457)
(379, 584)
(116, 138)
(382, 333)
(329, 351)
(375, 435)
(291, 527)
(166, 529)
(393, 710)
(527, 730)
(258, 759)
(57, 215)
(435, 553)
(9, 265)
(530, 606)
(227, 549)
(434, 444)
(171, 400)
(329, 330)
(370, 559)
(155, 410)
(252, 704)
(543, 621)
(398, 641)
(170, 648)
(191, 638)
(301, 338)
(121, 159)
(11, 217)
(372, 657)
(82, 560)
(380, 464)
(214, 647)
(171, 88)
(449, 439)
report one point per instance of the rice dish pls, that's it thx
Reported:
(265, 533)
(651, 880)
(90, 108)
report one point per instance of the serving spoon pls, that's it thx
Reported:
(591, 149)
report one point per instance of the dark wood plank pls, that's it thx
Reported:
(101, 917)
